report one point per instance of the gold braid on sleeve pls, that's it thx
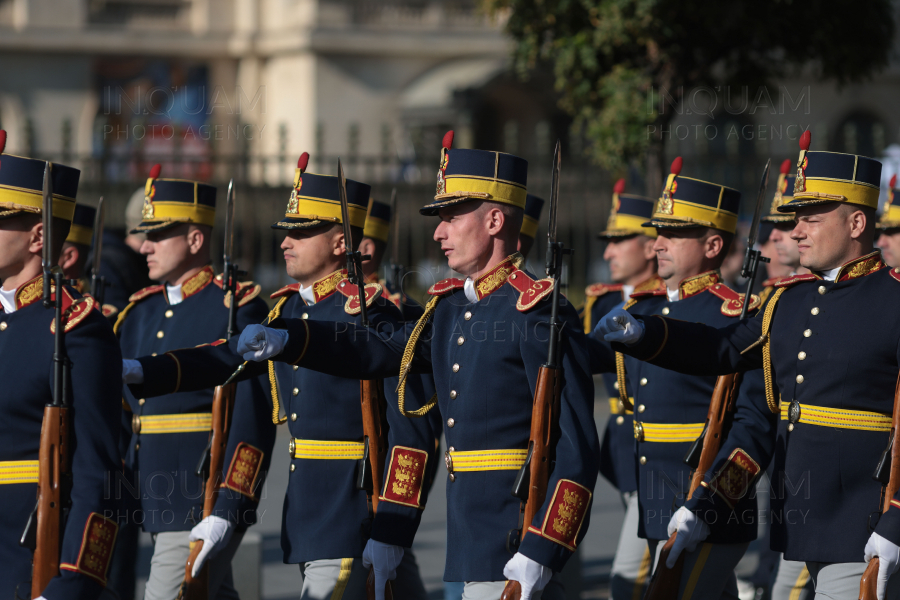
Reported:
(620, 369)
(276, 405)
(767, 352)
(406, 363)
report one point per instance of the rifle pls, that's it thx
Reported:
(370, 474)
(531, 483)
(665, 582)
(396, 267)
(98, 282)
(43, 532)
(213, 459)
(888, 473)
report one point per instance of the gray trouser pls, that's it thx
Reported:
(708, 571)
(170, 553)
(631, 565)
(840, 581)
(491, 590)
(345, 579)
(792, 581)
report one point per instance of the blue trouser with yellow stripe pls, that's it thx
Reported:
(708, 572)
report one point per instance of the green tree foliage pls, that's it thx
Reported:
(611, 58)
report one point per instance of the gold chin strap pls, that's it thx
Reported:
(620, 369)
(406, 363)
(276, 405)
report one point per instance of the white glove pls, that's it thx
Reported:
(132, 371)
(260, 343)
(215, 533)
(531, 575)
(620, 326)
(888, 554)
(691, 531)
(384, 558)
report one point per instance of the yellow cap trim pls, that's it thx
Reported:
(688, 212)
(18, 471)
(671, 432)
(620, 224)
(839, 418)
(79, 234)
(183, 212)
(488, 460)
(185, 423)
(376, 229)
(853, 192)
(326, 450)
(529, 226)
(31, 201)
(317, 209)
(499, 191)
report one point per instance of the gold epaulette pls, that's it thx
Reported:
(351, 291)
(595, 290)
(530, 291)
(733, 301)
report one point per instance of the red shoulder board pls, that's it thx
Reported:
(789, 281)
(74, 311)
(530, 291)
(147, 291)
(244, 470)
(352, 307)
(109, 310)
(294, 288)
(247, 291)
(733, 300)
(96, 548)
(405, 476)
(770, 282)
(596, 290)
(895, 273)
(446, 286)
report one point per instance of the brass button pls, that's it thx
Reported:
(293, 467)
(293, 416)
(136, 423)
(807, 333)
(802, 356)
(620, 419)
(3, 326)
(468, 315)
(643, 381)
(452, 477)
(154, 354)
(638, 431)
(815, 310)
(456, 367)
(665, 310)
(169, 313)
(296, 367)
(451, 422)
(791, 425)
(641, 408)
(137, 446)
(304, 316)
(452, 449)
(292, 445)
(616, 385)
(295, 391)
(460, 341)
(452, 394)
(160, 334)
(142, 401)
(822, 290)
(643, 460)
(799, 378)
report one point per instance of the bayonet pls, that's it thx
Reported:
(48, 259)
(98, 282)
(551, 266)
(752, 256)
(230, 274)
(395, 235)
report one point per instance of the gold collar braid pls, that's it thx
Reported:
(406, 363)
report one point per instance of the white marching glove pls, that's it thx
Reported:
(620, 326)
(132, 371)
(215, 533)
(260, 343)
(888, 554)
(531, 575)
(384, 560)
(691, 531)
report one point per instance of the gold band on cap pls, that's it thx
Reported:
(317, 209)
(183, 212)
(529, 226)
(377, 229)
(79, 234)
(620, 224)
(688, 212)
(505, 192)
(26, 200)
(836, 190)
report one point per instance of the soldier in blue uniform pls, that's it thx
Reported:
(695, 222)
(327, 519)
(889, 228)
(170, 433)
(632, 265)
(483, 339)
(830, 354)
(26, 345)
(75, 249)
(530, 220)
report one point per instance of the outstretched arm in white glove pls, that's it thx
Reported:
(691, 531)
(259, 343)
(384, 560)
(619, 325)
(888, 554)
(531, 575)
(215, 533)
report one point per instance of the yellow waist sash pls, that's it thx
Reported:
(485, 460)
(325, 450)
(617, 408)
(667, 432)
(149, 424)
(18, 471)
(838, 418)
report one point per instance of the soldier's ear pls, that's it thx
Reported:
(715, 246)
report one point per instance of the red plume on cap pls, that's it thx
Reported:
(676, 166)
(303, 161)
(154, 172)
(805, 139)
(448, 140)
(2, 140)
(786, 166)
(619, 187)
(893, 181)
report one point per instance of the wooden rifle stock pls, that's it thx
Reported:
(868, 582)
(197, 588)
(544, 421)
(665, 582)
(54, 466)
(374, 418)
